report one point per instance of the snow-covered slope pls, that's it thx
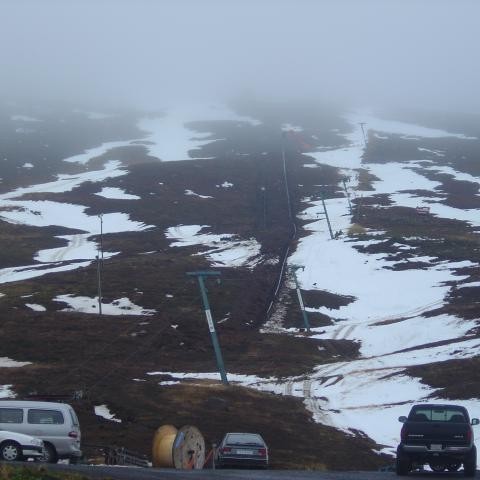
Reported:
(388, 296)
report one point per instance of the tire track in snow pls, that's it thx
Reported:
(307, 388)
(289, 388)
(348, 332)
(75, 242)
(337, 333)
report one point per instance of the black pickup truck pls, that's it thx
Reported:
(440, 436)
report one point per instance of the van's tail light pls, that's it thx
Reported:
(226, 450)
(73, 434)
(262, 452)
(469, 435)
(403, 433)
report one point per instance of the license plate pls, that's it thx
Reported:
(436, 446)
(245, 452)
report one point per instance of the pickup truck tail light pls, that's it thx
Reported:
(403, 433)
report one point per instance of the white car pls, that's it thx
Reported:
(18, 446)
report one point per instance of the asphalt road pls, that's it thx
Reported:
(132, 473)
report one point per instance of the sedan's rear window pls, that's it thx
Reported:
(427, 414)
(244, 439)
(45, 417)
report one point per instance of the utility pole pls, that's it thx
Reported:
(99, 282)
(294, 269)
(100, 266)
(326, 216)
(362, 124)
(211, 326)
(285, 177)
(348, 196)
(264, 200)
(101, 236)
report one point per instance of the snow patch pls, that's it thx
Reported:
(116, 193)
(121, 306)
(36, 307)
(225, 250)
(193, 194)
(104, 412)
(6, 362)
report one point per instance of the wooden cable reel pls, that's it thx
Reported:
(181, 449)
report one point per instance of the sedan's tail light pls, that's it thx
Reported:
(262, 452)
(225, 450)
(73, 434)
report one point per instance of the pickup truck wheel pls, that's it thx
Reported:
(402, 465)
(437, 467)
(470, 463)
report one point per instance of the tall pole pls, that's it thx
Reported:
(99, 281)
(211, 326)
(285, 177)
(300, 298)
(101, 236)
(100, 266)
(348, 196)
(362, 124)
(326, 216)
(264, 200)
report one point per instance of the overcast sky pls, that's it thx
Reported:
(149, 52)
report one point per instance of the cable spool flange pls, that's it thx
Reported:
(181, 449)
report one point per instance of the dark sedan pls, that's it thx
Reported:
(242, 450)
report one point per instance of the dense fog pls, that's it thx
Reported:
(148, 53)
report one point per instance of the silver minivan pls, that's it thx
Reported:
(55, 423)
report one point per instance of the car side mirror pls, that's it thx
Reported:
(402, 419)
(475, 421)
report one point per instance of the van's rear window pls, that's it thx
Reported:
(45, 417)
(11, 415)
(74, 417)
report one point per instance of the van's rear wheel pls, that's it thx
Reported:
(49, 454)
(10, 452)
